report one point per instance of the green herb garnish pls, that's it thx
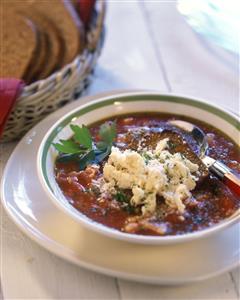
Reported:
(121, 197)
(124, 201)
(172, 145)
(81, 147)
(147, 157)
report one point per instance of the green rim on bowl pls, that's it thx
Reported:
(130, 98)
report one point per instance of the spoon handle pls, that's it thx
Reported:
(227, 175)
(233, 182)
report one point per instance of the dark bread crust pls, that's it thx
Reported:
(79, 26)
(62, 14)
(50, 40)
(58, 34)
(38, 62)
(54, 47)
(19, 43)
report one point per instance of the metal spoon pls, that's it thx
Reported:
(215, 166)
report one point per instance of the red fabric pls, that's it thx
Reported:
(85, 10)
(9, 91)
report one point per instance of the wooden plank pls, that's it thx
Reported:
(217, 288)
(1, 292)
(190, 69)
(5, 151)
(28, 271)
(128, 59)
(189, 65)
(235, 275)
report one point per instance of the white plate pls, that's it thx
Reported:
(113, 105)
(28, 206)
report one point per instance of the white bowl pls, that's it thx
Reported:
(121, 104)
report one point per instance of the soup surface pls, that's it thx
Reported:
(125, 197)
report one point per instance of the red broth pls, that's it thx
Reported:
(211, 201)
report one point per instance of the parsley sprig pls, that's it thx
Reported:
(81, 147)
(124, 201)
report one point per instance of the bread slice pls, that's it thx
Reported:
(54, 47)
(58, 33)
(19, 43)
(39, 62)
(47, 59)
(50, 40)
(62, 14)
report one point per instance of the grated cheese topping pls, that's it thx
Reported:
(149, 174)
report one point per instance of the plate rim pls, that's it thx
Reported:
(31, 233)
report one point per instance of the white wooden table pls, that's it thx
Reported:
(148, 46)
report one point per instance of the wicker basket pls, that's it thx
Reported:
(45, 96)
